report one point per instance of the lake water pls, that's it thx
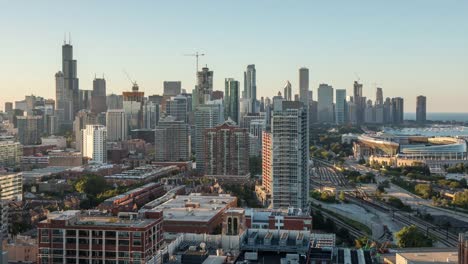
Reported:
(458, 117)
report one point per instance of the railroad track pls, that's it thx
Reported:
(444, 237)
(353, 231)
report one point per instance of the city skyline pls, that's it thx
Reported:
(397, 56)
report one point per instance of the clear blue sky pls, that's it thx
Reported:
(409, 47)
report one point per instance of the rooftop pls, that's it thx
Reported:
(429, 257)
(96, 218)
(194, 207)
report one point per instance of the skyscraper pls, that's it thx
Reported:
(116, 124)
(70, 77)
(325, 103)
(226, 150)
(340, 108)
(289, 156)
(421, 109)
(177, 107)
(231, 100)
(8, 107)
(379, 96)
(397, 110)
(288, 91)
(359, 102)
(250, 88)
(204, 87)
(114, 101)
(172, 140)
(94, 143)
(304, 85)
(84, 99)
(98, 101)
(133, 106)
(151, 114)
(63, 101)
(83, 118)
(206, 116)
(172, 88)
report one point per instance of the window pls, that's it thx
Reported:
(57, 232)
(44, 232)
(57, 240)
(71, 233)
(44, 251)
(97, 233)
(137, 242)
(124, 234)
(110, 233)
(45, 239)
(83, 233)
(124, 254)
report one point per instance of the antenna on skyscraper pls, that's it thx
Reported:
(357, 76)
(69, 38)
(64, 38)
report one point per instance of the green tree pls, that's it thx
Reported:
(461, 199)
(255, 164)
(410, 236)
(91, 184)
(341, 196)
(425, 190)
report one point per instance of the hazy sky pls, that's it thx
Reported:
(408, 47)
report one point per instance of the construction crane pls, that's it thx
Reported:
(196, 55)
(134, 83)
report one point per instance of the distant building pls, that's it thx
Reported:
(116, 124)
(172, 88)
(133, 107)
(30, 129)
(304, 85)
(340, 109)
(463, 248)
(397, 110)
(83, 117)
(10, 153)
(231, 100)
(151, 113)
(8, 107)
(421, 109)
(98, 101)
(114, 101)
(11, 186)
(204, 87)
(94, 146)
(288, 91)
(137, 240)
(177, 107)
(172, 140)
(250, 88)
(325, 104)
(217, 95)
(226, 150)
(286, 219)
(359, 102)
(85, 98)
(206, 116)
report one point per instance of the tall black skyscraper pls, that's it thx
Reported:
(70, 75)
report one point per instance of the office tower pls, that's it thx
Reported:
(204, 88)
(172, 140)
(63, 101)
(262, 104)
(151, 114)
(340, 108)
(133, 107)
(421, 109)
(30, 129)
(94, 237)
(82, 119)
(94, 143)
(247, 119)
(289, 159)
(287, 91)
(10, 153)
(325, 103)
(98, 102)
(250, 88)
(379, 96)
(172, 88)
(114, 101)
(85, 98)
(313, 112)
(8, 107)
(116, 124)
(226, 150)
(397, 110)
(70, 78)
(158, 99)
(379, 113)
(304, 85)
(231, 100)
(256, 128)
(11, 186)
(388, 117)
(359, 102)
(267, 161)
(206, 116)
(310, 97)
(177, 107)
(369, 112)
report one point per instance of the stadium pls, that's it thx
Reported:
(409, 150)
